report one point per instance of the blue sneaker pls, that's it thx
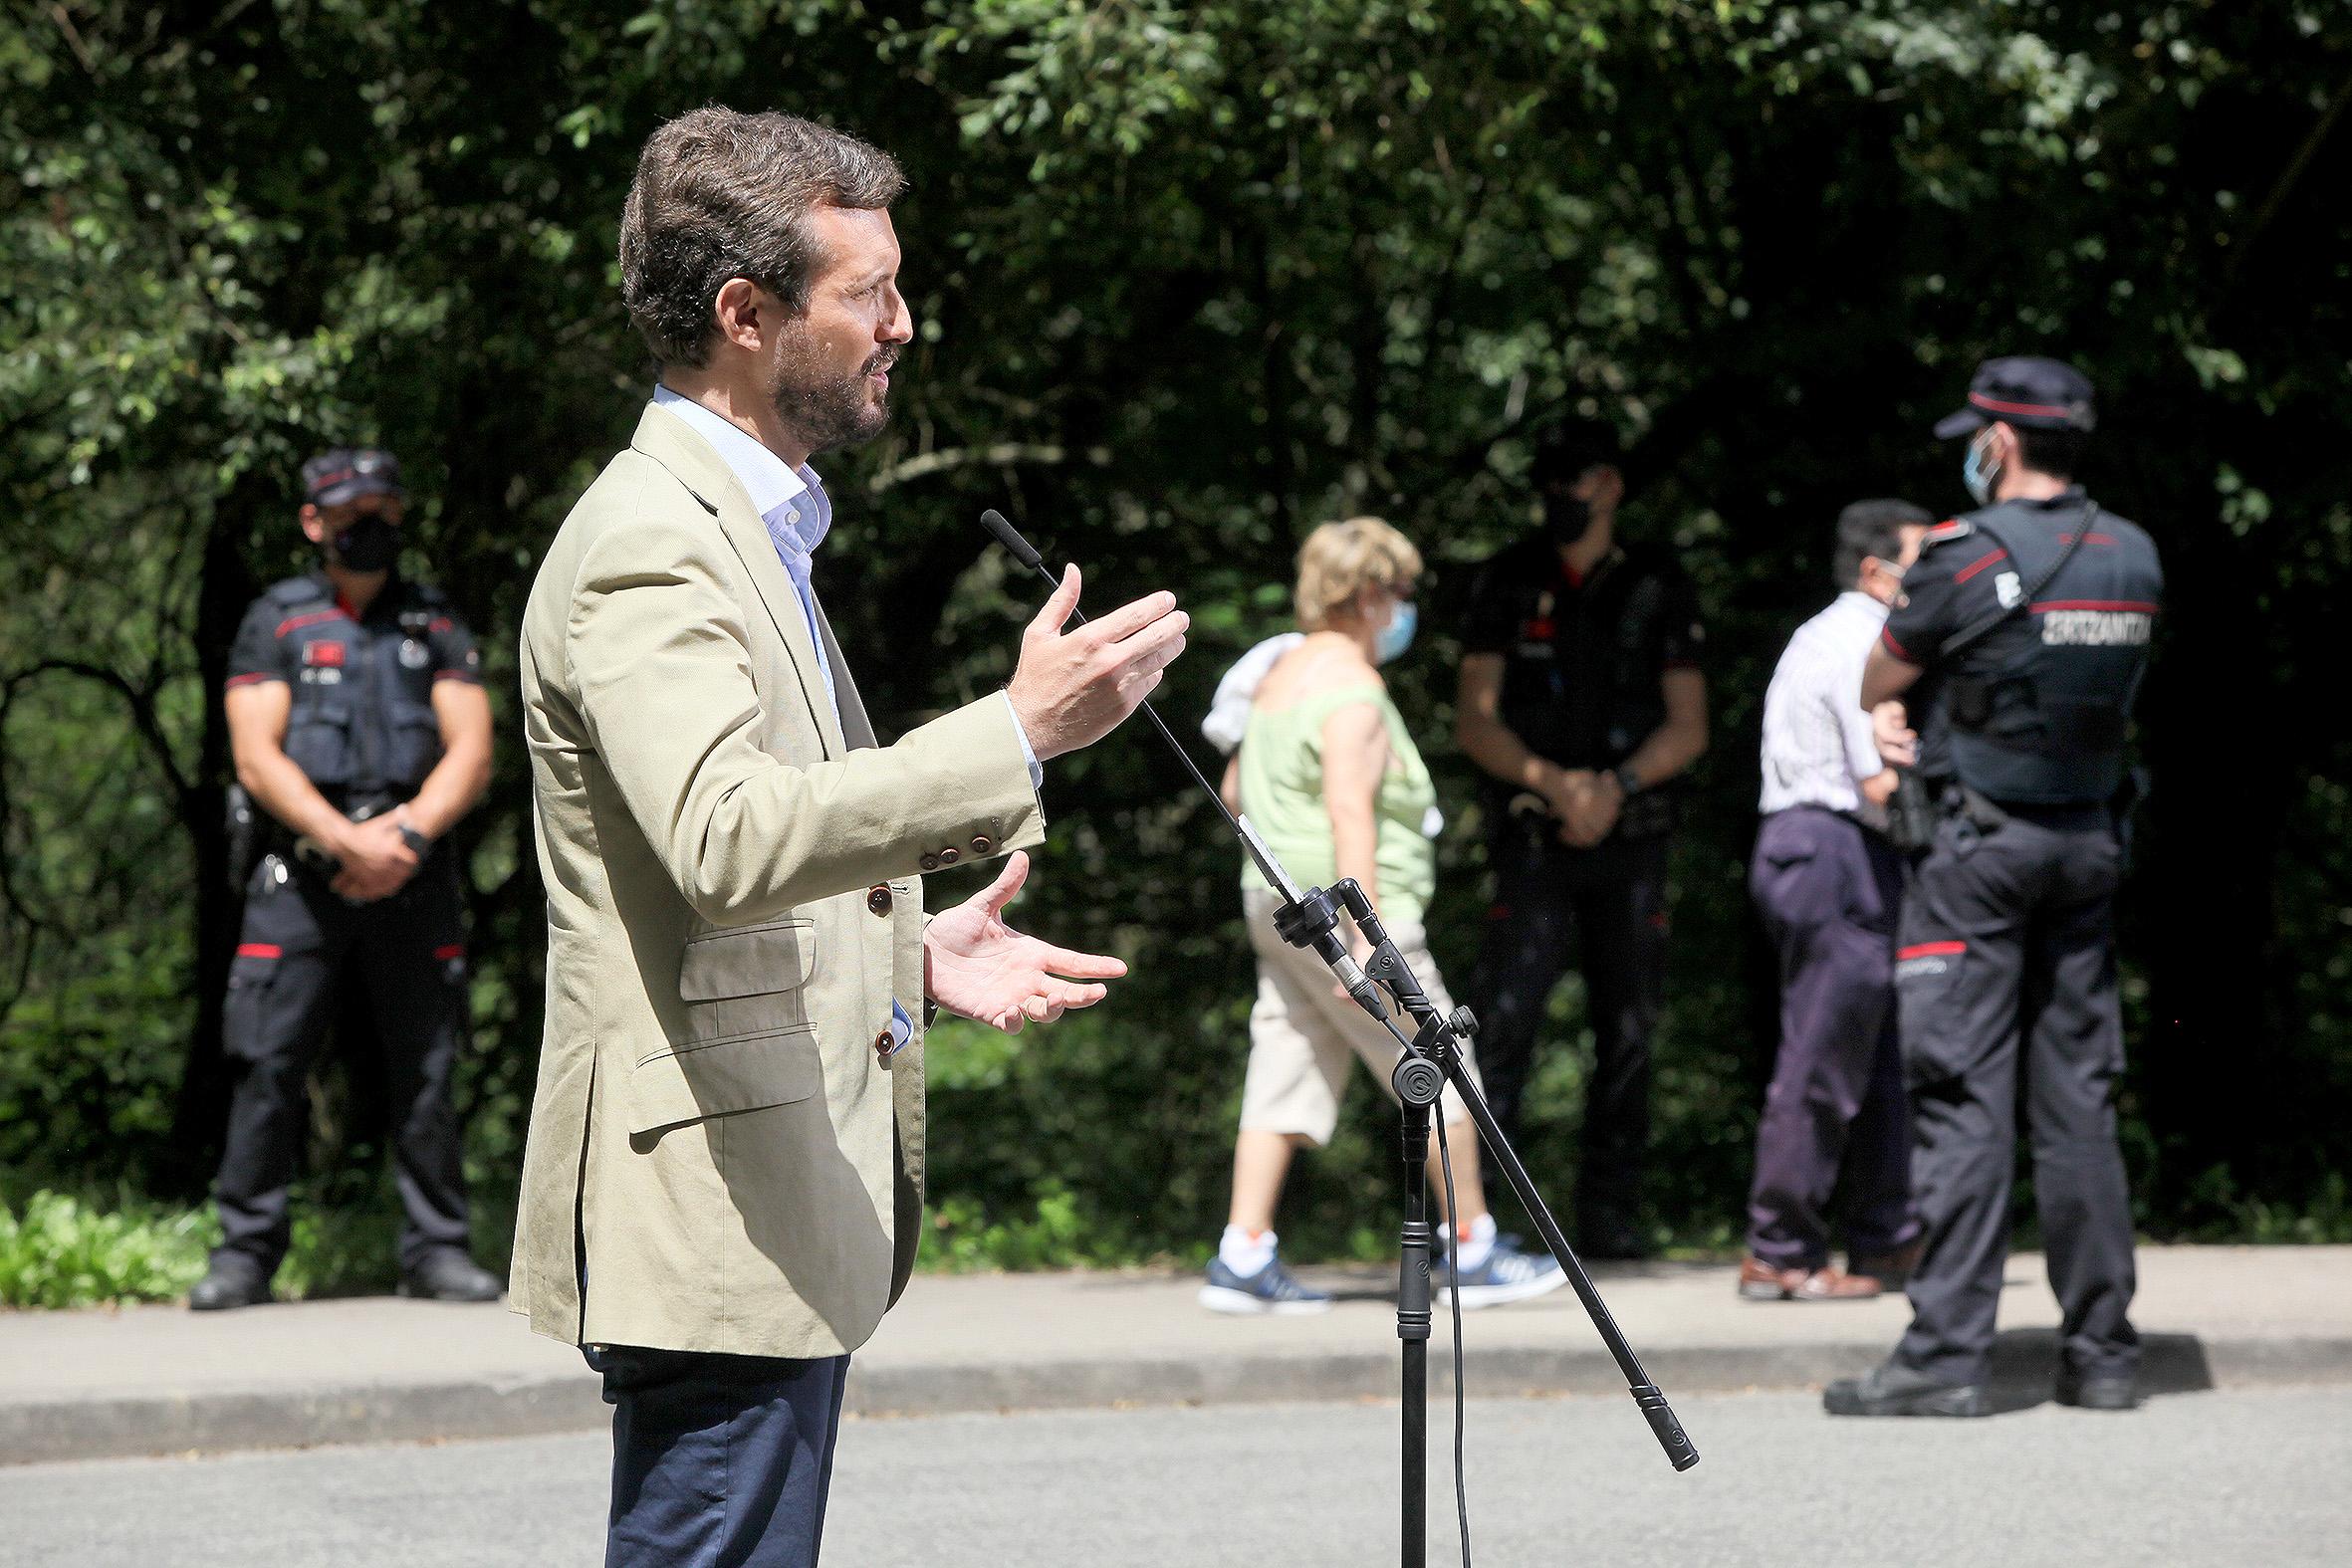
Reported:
(1273, 1288)
(1507, 1275)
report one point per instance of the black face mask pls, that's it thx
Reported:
(372, 543)
(1566, 518)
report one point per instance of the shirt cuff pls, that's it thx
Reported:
(1029, 752)
(902, 1029)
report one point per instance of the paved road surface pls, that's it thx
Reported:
(2216, 1479)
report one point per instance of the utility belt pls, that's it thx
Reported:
(1919, 805)
(1649, 815)
(254, 834)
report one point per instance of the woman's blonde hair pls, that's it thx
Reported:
(1340, 559)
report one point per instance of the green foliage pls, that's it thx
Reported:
(1189, 279)
(56, 1250)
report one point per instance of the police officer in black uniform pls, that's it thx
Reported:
(1580, 696)
(360, 729)
(2026, 627)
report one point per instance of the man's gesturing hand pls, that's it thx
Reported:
(979, 968)
(1071, 689)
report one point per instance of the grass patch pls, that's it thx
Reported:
(97, 1248)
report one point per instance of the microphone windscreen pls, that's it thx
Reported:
(1010, 537)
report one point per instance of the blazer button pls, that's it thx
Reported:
(877, 898)
(950, 855)
(882, 1043)
(983, 844)
(929, 863)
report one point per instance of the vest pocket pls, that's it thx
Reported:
(417, 743)
(319, 740)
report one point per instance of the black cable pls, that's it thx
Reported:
(1445, 1165)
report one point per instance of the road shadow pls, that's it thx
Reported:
(2026, 1360)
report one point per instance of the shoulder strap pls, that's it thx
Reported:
(1968, 636)
(297, 590)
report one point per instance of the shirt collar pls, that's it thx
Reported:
(772, 484)
(2070, 497)
(1856, 602)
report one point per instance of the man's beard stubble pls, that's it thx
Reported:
(833, 410)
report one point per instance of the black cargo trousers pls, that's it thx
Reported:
(1607, 906)
(2006, 966)
(300, 942)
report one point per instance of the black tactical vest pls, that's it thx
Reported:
(362, 725)
(2038, 709)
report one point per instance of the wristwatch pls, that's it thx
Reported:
(418, 844)
(1628, 779)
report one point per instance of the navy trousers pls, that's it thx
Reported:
(2006, 971)
(718, 1462)
(1831, 892)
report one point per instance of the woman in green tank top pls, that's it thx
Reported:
(1330, 776)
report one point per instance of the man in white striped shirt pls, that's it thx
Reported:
(1829, 887)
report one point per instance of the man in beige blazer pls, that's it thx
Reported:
(723, 1187)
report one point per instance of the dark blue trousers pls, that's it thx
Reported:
(1831, 892)
(718, 1462)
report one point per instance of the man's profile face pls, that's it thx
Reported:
(321, 524)
(831, 368)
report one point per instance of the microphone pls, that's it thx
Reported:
(1309, 919)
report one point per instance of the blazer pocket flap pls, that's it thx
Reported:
(751, 962)
(747, 1074)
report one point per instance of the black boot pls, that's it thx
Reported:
(231, 1281)
(450, 1275)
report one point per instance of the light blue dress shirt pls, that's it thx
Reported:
(798, 514)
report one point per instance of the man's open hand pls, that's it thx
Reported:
(1070, 689)
(977, 966)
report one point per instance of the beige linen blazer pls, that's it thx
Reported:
(718, 1157)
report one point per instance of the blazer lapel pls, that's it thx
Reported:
(672, 443)
(856, 727)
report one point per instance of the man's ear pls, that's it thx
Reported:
(742, 310)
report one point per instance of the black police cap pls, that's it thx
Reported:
(343, 473)
(2024, 390)
(1566, 447)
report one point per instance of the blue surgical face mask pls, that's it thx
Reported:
(1397, 635)
(1977, 472)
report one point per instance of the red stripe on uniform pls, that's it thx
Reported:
(1932, 950)
(1894, 647)
(260, 950)
(2046, 411)
(1975, 567)
(295, 623)
(455, 950)
(2128, 606)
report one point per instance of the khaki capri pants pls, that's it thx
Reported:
(1304, 1033)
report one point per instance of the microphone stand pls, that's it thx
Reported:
(1432, 1057)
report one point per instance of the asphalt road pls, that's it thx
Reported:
(2254, 1477)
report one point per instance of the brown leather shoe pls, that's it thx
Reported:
(1891, 1269)
(1760, 1281)
(1832, 1283)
